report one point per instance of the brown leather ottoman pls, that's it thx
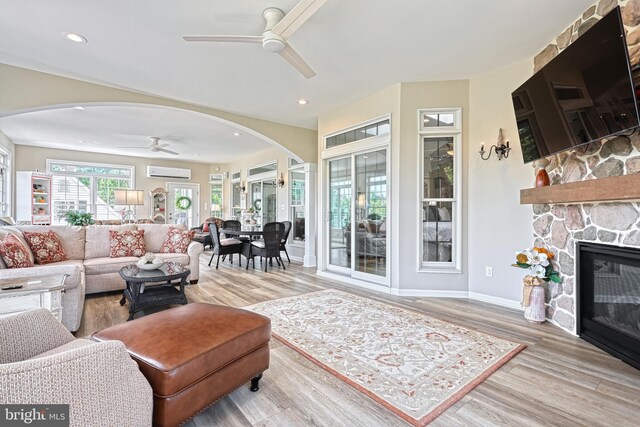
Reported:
(194, 354)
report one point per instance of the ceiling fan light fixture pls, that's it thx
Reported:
(272, 43)
(75, 37)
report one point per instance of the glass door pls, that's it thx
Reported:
(357, 226)
(182, 204)
(339, 228)
(264, 201)
(371, 213)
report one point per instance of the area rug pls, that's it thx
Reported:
(413, 364)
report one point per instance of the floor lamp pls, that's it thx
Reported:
(129, 198)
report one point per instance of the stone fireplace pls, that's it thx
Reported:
(561, 226)
(608, 293)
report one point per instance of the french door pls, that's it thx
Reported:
(264, 200)
(183, 201)
(356, 236)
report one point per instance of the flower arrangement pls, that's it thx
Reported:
(537, 260)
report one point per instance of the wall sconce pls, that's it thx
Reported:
(242, 187)
(501, 149)
(281, 180)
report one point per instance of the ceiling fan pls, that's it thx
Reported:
(278, 29)
(155, 146)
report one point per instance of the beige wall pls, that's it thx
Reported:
(498, 224)
(415, 96)
(29, 158)
(24, 89)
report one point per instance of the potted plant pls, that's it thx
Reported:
(78, 218)
(537, 261)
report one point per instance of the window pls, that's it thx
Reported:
(87, 187)
(367, 131)
(4, 176)
(236, 194)
(263, 169)
(296, 202)
(215, 190)
(440, 187)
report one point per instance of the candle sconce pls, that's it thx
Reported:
(501, 149)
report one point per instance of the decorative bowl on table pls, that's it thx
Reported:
(150, 262)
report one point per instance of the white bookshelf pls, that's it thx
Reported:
(33, 198)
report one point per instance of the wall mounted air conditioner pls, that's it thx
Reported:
(171, 173)
(216, 177)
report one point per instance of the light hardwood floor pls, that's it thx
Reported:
(558, 380)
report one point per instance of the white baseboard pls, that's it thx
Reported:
(355, 282)
(429, 293)
(309, 261)
(508, 303)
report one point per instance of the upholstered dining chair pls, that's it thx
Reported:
(228, 246)
(269, 246)
(283, 242)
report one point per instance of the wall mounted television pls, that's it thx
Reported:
(582, 95)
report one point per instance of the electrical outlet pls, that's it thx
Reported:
(488, 271)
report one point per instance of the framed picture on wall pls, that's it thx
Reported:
(243, 201)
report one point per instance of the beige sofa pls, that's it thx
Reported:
(89, 266)
(41, 363)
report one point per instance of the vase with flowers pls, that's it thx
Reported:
(538, 261)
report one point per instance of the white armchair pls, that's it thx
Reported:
(41, 362)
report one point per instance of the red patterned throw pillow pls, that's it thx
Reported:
(126, 243)
(14, 253)
(177, 241)
(46, 247)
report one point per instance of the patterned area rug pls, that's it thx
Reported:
(414, 365)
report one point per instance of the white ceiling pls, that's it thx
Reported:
(115, 129)
(355, 47)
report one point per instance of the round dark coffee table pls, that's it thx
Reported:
(153, 288)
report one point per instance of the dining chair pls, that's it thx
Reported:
(232, 224)
(228, 246)
(285, 238)
(269, 246)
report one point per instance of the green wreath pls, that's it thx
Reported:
(183, 203)
(257, 204)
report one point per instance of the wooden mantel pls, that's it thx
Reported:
(626, 187)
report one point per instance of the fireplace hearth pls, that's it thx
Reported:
(608, 291)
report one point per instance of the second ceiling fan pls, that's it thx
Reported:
(278, 29)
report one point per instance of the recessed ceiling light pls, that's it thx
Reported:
(237, 134)
(302, 101)
(79, 107)
(75, 37)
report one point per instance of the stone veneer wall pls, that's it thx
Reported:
(559, 226)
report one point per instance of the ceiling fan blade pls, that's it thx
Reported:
(296, 17)
(238, 39)
(164, 144)
(167, 151)
(292, 57)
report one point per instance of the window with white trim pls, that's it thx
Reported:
(4, 190)
(440, 136)
(297, 182)
(87, 187)
(236, 194)
(215, 191)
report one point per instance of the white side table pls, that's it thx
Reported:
(45, 292)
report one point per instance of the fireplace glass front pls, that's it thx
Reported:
(609, 299)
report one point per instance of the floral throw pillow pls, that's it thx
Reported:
(14, 253)
(177, 241)
(126, 243)
(46, 247)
